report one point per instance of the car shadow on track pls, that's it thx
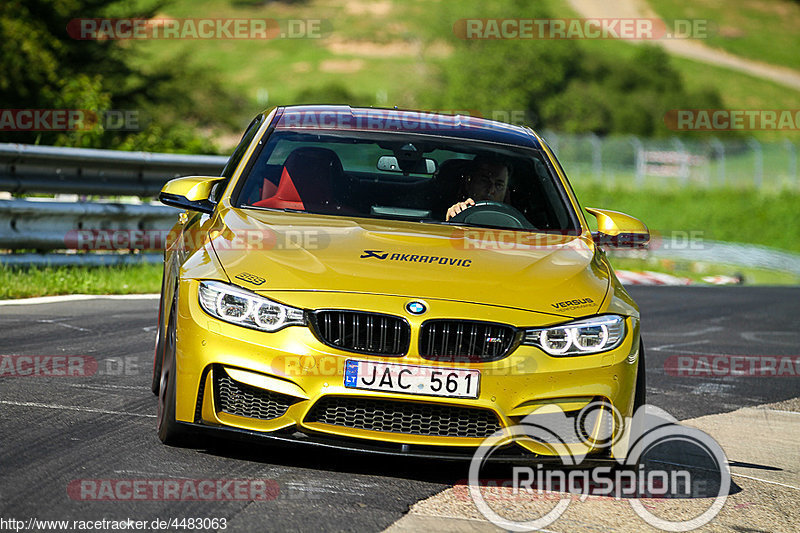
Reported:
(667, 461)
(343, 461)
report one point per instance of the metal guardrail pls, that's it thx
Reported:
(47, 224)
(51, 225)
(76, 259)
(52, 169)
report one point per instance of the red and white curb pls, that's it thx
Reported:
(627, 277)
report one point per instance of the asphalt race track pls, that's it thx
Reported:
(57, 431)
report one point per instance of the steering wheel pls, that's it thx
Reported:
(495, 214)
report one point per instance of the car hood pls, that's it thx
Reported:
(552, 274)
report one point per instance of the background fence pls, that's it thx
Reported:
(711, 162)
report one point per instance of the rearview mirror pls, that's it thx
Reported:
(190, 192)
(389, 163)
(618, 230)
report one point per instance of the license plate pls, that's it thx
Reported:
(412, 379)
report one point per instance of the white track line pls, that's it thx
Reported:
(665, 346)
(779, 411)
(77, 297)
(105, 386)
(765, 481)
(694, 333)
(62, 324)
(73, 408)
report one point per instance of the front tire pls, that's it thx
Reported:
(640, 396)
(169, 430)
(158, 357)
(637, 419)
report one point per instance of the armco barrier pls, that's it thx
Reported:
(47, 224)
(52, 169)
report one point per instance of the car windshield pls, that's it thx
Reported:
(406, 177)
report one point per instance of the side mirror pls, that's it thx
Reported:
(618, 230)
(191, 192)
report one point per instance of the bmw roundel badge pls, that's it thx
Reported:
(416, 308)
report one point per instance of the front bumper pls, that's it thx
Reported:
(223, 370)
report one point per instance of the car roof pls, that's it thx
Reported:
(340, 117)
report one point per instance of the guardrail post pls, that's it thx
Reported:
(684, 160)
(597, 156)
(719, 151)
(792, 160)
(638, 159)
(758, 164)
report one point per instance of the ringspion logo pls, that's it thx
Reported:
(598, 426)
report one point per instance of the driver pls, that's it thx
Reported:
(485, 181)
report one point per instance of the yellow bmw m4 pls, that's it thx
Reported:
(395, 282)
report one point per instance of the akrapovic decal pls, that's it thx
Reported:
(415, 258)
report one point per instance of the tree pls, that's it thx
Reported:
(558, 84)
(44, 68)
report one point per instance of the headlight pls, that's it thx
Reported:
(582, 337)
(238, 306)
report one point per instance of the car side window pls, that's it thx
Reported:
(236, 157)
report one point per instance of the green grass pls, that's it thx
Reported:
(391, 59)
(767, 219)
(755, 29)
(28, 282)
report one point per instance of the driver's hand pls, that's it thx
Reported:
(457, 208)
